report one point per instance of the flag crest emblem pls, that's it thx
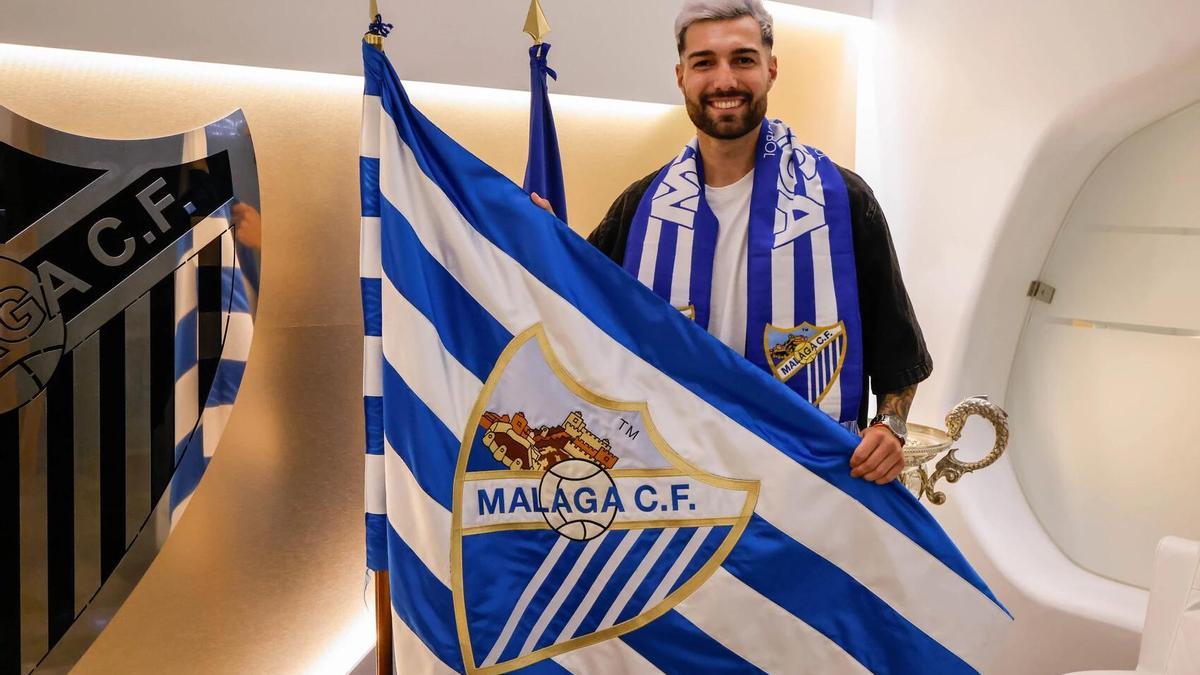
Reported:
(816, 353)
(619, 526)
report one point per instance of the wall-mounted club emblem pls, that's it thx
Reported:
(128, 284)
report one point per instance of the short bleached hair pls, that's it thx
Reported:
(719, 10)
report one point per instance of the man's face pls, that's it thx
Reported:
(725, 72)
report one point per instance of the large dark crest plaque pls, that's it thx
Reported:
(128, 287)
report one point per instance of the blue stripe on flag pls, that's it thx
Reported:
(675, 645)
(514, 556)
(372, 306)
(368, 171)
(422, 602)
(377, 528)
(604, 551)
(553, 580)
(637, 602)
(374, 72)
(703, 554)
(823, 596)
(373, 413)
(419, 438)
(627, 310)
(469, 333)
(623, 572)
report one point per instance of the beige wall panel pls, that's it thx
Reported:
(816, 92)
(265, 572)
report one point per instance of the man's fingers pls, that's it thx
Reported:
(865, 447)
(884, 472)
(871, 461)
(540, 201)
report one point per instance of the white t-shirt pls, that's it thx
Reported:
(731, 206)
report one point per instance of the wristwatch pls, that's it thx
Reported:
(894, 424)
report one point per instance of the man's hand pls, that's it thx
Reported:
(542, 202)
(879, 457)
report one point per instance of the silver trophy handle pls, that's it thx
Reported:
(949, 467)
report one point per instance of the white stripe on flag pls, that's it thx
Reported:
(762, 643)
(598, 585)
(369, 265)
(428, 369)
(531, 589)
(412, 657)
(680, 564)
(368, 145)
(421, 522)
(372, 365)
(681, 276)
(635, 580)
(933, 597)
(376, 485)
(560, 595)
(610, 656)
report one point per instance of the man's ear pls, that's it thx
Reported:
(679, 76)
(773, 69)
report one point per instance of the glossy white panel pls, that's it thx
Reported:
(1104, 379)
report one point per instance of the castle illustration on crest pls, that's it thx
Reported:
(520, 447)
(794, 343)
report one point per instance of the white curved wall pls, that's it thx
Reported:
(1104, 376)
(990, 117)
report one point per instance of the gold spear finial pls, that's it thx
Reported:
(372, 39)
(535, 23)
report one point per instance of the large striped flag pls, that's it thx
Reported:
(565, 474)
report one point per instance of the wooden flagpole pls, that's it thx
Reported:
(383, 625)
(384, 653)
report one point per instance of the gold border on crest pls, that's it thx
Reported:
(841, 357)
(682, 468)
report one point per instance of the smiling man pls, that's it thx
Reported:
(769, 245)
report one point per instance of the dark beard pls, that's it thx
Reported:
(746, 120)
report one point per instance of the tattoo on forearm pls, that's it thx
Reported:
(897, 402)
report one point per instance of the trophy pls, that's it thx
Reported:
(925, 443)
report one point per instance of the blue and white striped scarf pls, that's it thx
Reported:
(802, 293)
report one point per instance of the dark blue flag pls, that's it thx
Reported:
(543, 171)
